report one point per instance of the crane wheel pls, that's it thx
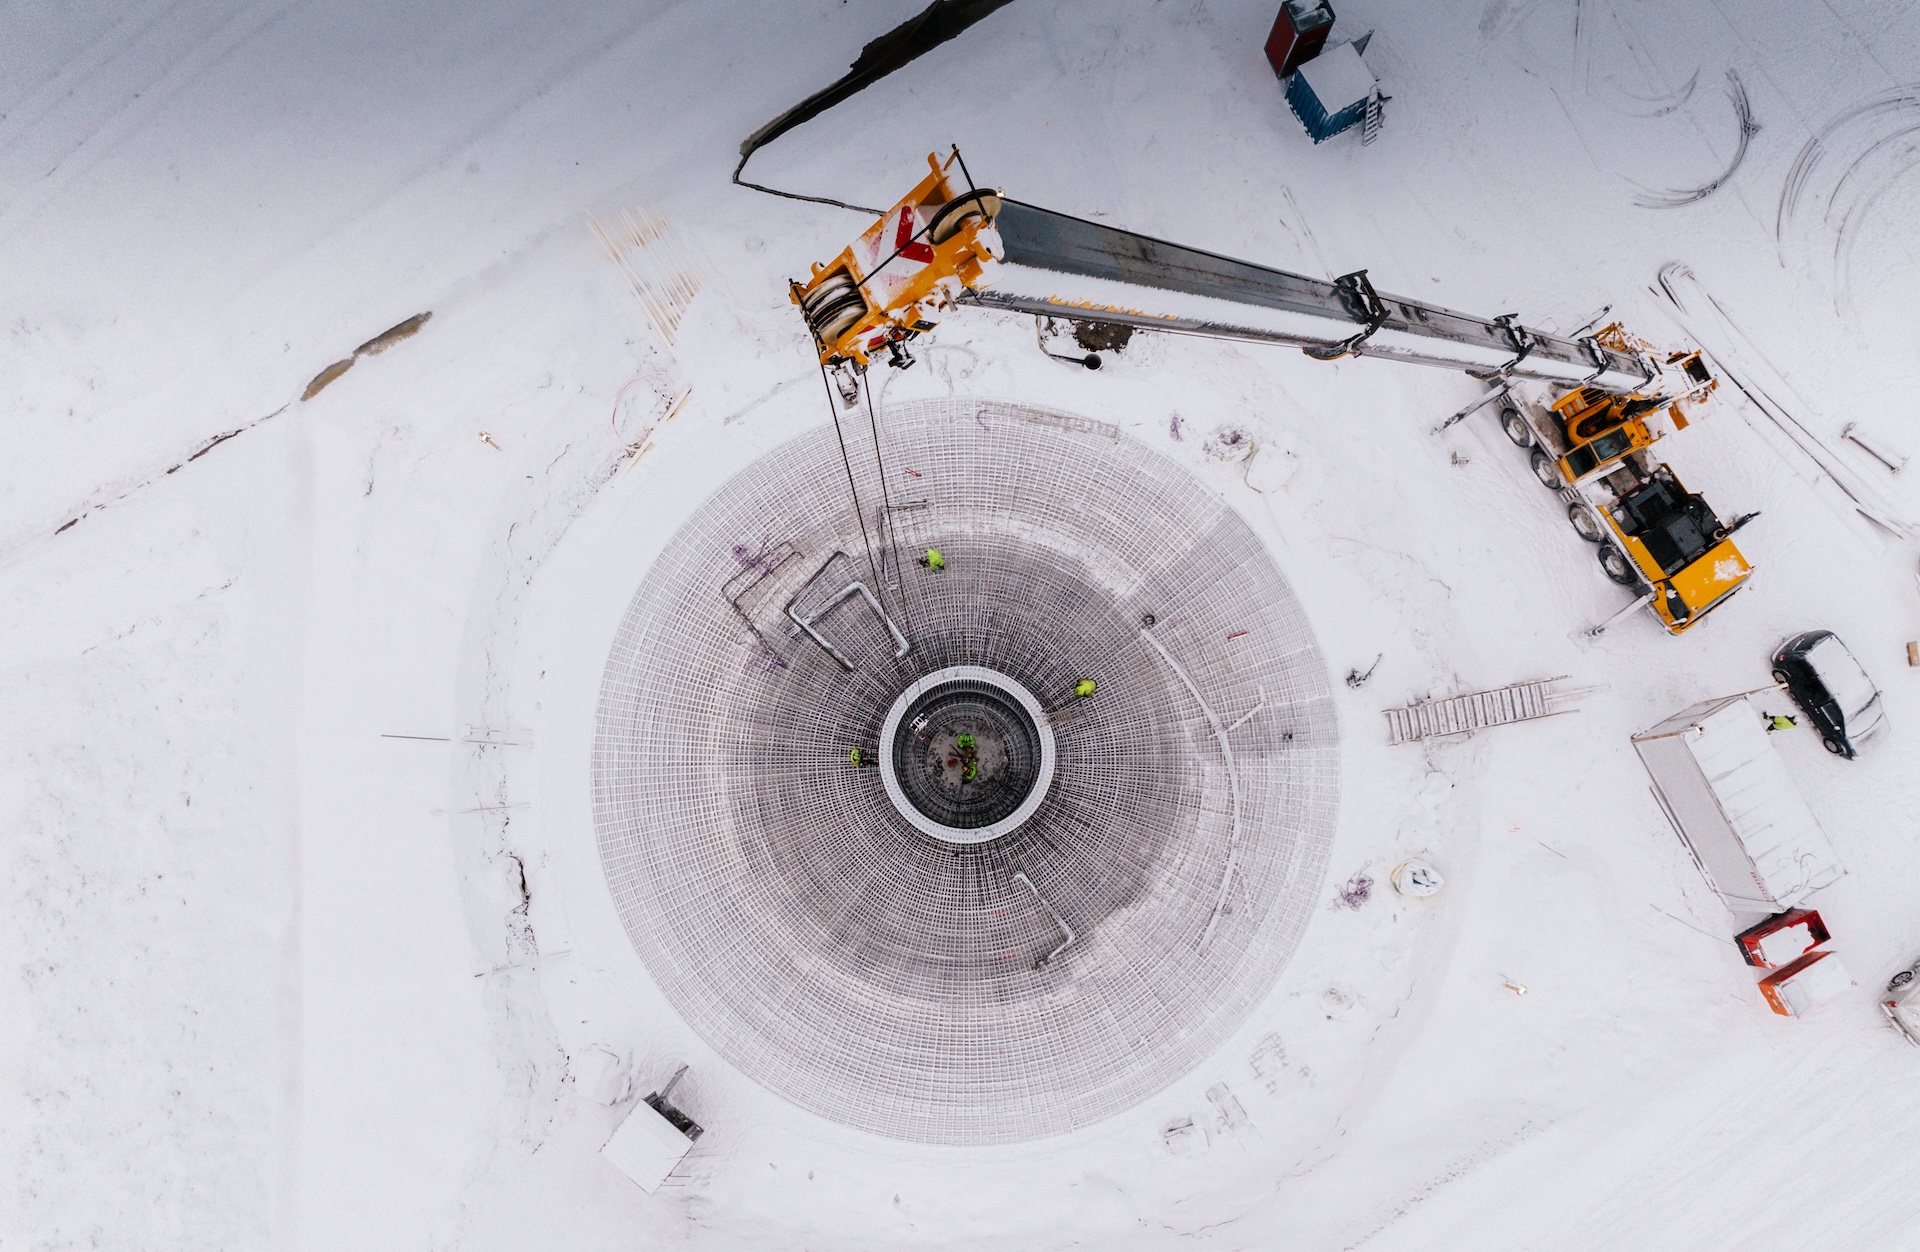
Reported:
(1516, 427)
(1616, 566)
(1546, 471)
(1584, 523)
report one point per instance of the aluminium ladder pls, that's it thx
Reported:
(1463, 714)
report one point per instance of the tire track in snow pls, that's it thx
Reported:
(1743, 117)
(186, 54)
(1459, 1168)
(1879, 141)
(41, 98)
(1760, 1124)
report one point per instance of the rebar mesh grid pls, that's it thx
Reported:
(898, 983)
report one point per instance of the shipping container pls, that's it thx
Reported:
(1329, 93)
(1729, 796)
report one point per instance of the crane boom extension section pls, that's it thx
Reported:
(944, 245)
(1068, 267)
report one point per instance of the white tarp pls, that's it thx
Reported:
(1726, 789)
(1338, 77)
(646, 1147)
(1820, 981)
(1788, 944)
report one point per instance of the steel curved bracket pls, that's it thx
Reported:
(1364, 303)
(1596, 354)
(1519, 338)
(1233, 782)
(1066, 931)
(854, 588)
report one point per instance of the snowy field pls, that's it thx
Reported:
(305, 930)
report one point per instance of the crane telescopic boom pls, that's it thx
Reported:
(946, 244)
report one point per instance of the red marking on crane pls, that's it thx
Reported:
(916, 473)
(1235, 635)
(903, 239)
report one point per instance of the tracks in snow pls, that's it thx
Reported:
(1739, 361)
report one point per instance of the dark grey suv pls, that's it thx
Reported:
(1831, 689)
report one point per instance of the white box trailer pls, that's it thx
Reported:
(647, 1147)
(1734, 806)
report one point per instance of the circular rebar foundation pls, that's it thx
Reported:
(1109, 893)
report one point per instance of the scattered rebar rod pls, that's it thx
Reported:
(1061, 922)
(1892, 460)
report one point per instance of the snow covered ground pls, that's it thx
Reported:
(306, 928)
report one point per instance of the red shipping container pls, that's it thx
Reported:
(1298, 34)
(1806, 984)
(1782, 939)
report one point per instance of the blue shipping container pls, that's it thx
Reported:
(1329, 93)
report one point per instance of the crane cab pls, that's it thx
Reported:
(1677, 544)
(1599, 429)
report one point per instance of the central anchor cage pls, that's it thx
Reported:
(966, 754)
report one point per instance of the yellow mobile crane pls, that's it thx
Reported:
(948, 243)
(1592, 446)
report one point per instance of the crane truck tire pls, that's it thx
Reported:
(1584, 523)
(1516, 428)
(1616, 566)
(1546, 471)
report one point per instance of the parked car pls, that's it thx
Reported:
(1901, 1004)
(1831, 689)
